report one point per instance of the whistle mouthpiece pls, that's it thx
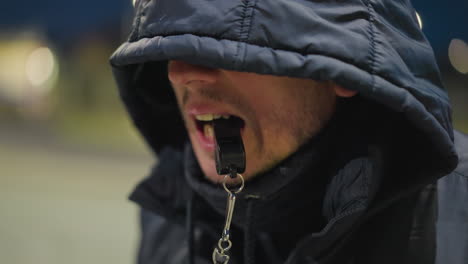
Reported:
(229, 149)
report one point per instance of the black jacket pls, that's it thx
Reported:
(363, 191)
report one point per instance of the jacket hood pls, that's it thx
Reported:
(371, 46)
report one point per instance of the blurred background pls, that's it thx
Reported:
(68, 153)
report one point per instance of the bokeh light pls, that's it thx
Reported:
(458, 55)
(29, 69)
(40, 66)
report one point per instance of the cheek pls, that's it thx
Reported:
(296, 117)
(278, 120)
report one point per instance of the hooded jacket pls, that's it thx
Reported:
(364, 190)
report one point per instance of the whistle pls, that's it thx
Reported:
(229, 149)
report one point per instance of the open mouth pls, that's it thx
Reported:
(204, 124)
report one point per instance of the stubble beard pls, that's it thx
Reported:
(314, 112)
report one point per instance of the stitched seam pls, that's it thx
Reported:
(247, 14)
(372, 51)
(244, 9)
(244, 27)
(135, 32)
(243, 18)
(134, 35)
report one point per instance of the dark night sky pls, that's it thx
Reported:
(62, 20)
(443, 20)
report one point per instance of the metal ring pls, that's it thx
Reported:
(220, 244)
(239, 189)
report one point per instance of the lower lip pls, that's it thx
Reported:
(208, 144)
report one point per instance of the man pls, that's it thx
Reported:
(345, 123)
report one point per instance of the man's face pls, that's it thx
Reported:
(279, 114)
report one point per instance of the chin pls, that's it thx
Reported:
(208, 168)
(207, 165)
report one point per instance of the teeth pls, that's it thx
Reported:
(208, 131)
(206, 117)
(210, 117)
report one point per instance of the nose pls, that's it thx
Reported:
(183, 73)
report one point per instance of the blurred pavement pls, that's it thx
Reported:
(64, 205)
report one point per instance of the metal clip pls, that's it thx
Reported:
(220, 255)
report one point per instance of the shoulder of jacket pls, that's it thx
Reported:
(161, 240)
(452, 217)
(461, 145)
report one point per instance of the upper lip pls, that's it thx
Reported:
(202, 109)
